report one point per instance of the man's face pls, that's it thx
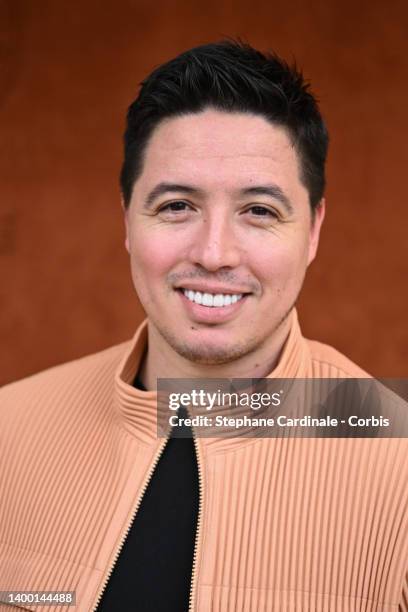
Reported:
(219, 216)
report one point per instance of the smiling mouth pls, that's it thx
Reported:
(212, 300)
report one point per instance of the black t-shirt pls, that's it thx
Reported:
(153, 571)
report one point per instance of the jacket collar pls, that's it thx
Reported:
(137, 409)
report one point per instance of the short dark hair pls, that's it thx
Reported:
(229, 76)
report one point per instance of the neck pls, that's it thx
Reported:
(162, 361)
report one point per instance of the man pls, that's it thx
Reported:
(222, 185)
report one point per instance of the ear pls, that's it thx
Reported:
(125, 211)
(315, 228)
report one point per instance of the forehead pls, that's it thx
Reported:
(218, 147)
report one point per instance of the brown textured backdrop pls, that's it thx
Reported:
(68, 71)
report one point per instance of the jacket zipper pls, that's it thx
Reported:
(126, 533)
(198, 533)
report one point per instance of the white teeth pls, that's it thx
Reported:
(211, 300)
(207, 299)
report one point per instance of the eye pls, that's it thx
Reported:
(176, 206)
(263, 211)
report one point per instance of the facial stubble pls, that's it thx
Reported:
(214, 355)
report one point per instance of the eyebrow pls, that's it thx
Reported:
(163, 188)
(271, 190)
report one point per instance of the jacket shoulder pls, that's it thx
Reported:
(328, 361)
(91, 367)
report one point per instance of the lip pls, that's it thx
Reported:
(209, 314)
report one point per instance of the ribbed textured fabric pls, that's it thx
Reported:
(153, 571)
(285, 524)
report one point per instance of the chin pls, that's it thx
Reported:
(213, 354)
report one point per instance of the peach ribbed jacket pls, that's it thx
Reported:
(292, 524)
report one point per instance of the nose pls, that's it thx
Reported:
(215, 245)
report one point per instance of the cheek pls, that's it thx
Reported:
(280, 265)
(153, 256)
